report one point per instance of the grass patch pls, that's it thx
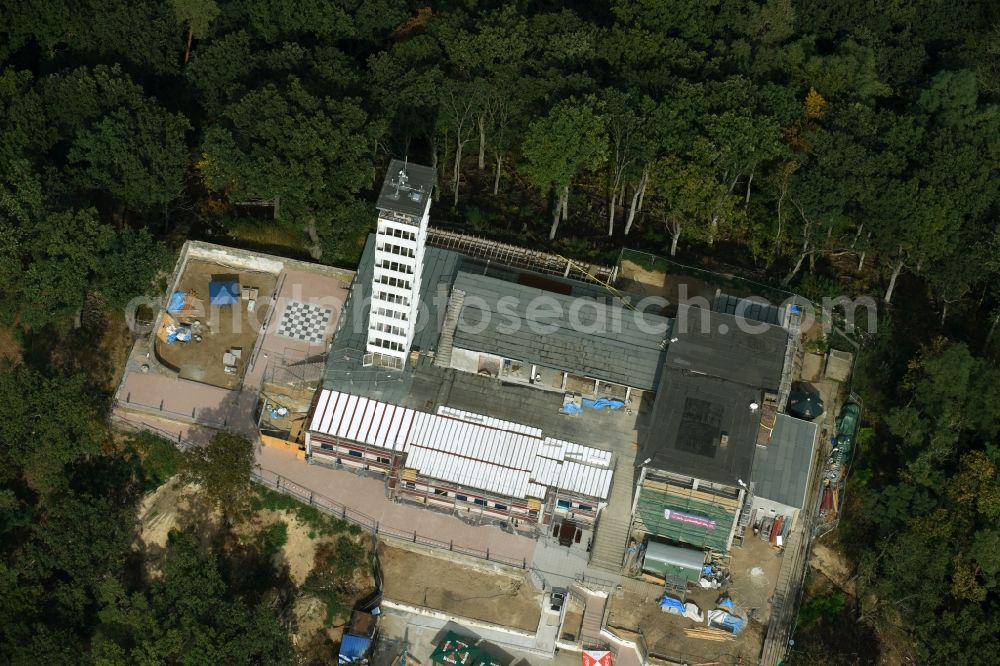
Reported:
(319, 523)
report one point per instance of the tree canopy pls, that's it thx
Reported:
(845, 143)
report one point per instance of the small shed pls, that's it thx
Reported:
(354, 649)
(673, 562)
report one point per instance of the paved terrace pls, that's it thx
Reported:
(160, 394)
(367, 495)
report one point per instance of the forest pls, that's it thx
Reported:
(842, 147)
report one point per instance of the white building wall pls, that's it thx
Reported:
(397, 274)
(768, 508)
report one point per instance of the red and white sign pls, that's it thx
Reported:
(689, 519)
(596, 658)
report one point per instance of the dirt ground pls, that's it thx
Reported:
(754, 568)
(664, 632)
(223, 327)
(299, 551)
(832, 564)
(114, 346)
(573, 622)
(10, 348)
(458, 589)
(676, 288)
(173, 505)
(297, 400)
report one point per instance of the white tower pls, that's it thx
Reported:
(403, 212)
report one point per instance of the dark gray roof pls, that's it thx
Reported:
(683, 433)
(781, 469)
(596, 338)
(344, 370)
(750, 308)
(721, 345)
(406, 189)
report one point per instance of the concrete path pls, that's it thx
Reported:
(367, 495)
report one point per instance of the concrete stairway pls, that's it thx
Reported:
(608, 549)
(593, 618)
(442, 357)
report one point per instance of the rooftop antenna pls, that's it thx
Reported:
(401, 177)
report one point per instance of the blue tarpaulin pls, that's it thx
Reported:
(721, 619)
(176, 303)
(726, 602)
(733, 623)
(570, 408)
(224, 292)
(353, 648)
(603, 403)
(670, 605)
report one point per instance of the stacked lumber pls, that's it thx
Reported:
(707, 633)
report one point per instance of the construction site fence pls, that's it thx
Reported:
(340, 511)
(122, 423)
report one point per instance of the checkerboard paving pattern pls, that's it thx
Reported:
(305, 322)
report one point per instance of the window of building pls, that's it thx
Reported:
(324, 445)
(392, 298)
(498, 505)
(462, 498)
(409, 484)
(399, 233)
(387, 328)
(442, 493)
(480, 502)
(585, 507)
(564, 504)
(355, 454)
(384, 461)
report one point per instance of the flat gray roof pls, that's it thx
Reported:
(781, 469)
(406, 188)
(752, 308)
(690, 415)
(586, 336)
(425, 387)
(718, 345)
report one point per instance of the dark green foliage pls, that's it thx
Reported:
(222, 468)
(927, 498)
(68, 500)
(842, 146)
(275, 536)
(333, 577)
(187, 617)
(161, 459)
(821, 608)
